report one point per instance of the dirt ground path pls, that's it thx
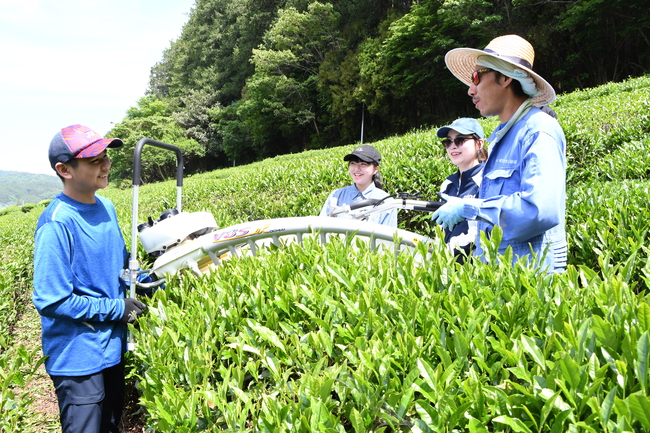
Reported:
(44, 410)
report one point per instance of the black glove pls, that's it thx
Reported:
(132, 309)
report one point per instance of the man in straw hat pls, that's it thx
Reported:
(523, 188)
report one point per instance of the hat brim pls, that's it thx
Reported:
(98, 147)
(462, 63)
(444, 131)
(349, 156)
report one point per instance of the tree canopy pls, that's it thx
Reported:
(249, 79)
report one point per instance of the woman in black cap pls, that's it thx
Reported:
(363, 166)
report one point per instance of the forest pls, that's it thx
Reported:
(251, 79)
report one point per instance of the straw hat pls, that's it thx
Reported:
(509, 48)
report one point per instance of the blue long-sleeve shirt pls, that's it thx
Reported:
(350, 194)
(78, 256)
(524, 190)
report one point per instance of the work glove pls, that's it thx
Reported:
(450, 213)
(132, 309)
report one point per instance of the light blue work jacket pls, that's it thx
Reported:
(524, 191)
(350, 194)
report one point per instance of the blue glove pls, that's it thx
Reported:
(450, 213)
(146, 278)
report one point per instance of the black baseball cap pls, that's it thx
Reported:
(365, 153)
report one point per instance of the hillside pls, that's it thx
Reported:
(250, 79)
(18, 188)
(340, 338)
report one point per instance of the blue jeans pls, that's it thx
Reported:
(91, 404)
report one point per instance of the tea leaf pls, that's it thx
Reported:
(640, 408)
(357, 421)
(531, 348)
(514, 423)
(643, 350)
(267, 334)
(607, 405)
(644, 316)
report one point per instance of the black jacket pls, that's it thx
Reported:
(466, 185)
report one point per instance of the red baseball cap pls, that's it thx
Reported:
(78, 141)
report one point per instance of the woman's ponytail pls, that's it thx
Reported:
(482, 154)
(376, 178)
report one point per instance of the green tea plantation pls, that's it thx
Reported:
(341, 338)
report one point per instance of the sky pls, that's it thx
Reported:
(75, 61)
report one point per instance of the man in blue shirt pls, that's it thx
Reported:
(78, 256)
(524, 179)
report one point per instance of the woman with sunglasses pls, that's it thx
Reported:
(463, 140)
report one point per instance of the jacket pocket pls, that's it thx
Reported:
(497, 182)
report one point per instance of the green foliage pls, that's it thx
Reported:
(27, 207)
(206, 69)
(151, 119)
(250, 80)
(586, 21)
(16, 264)
(618, 235)
(340, 338)
(17, 188)
(604, 126)
(282, 96)
(8, 210)
(18, 366)
(398, 69)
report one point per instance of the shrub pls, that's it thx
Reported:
(8, 210)
(339, 338)
(27, 207)
(343, 339)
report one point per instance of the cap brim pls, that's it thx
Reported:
(115, 142)
(444, 131)
(99, 146)
(462, 63)
(362, 158)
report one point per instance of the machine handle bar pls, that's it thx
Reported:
(137, 158)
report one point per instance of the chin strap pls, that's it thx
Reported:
(521, 112)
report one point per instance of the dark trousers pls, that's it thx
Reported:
(91, 404)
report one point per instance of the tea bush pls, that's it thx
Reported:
(8, 210)
(608, 227)
(27, 207)
(17, 365)
(343, 339)
(339, 338)
(602, 121)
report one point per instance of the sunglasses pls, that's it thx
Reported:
(476, 75)
(458, 141)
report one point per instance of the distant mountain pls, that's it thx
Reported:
(18, 188)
